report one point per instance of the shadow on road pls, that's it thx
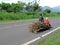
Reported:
(44, 30)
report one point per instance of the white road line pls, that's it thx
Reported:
(6, 27)
(29, 42)
(32, 41)
(50, 32)
(13, 26)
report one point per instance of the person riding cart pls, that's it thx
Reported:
(47, 22)
(41, 19)
(41, 25)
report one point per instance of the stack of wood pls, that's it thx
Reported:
(37, 26)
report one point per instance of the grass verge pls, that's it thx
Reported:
(3, 21)
(51, 40)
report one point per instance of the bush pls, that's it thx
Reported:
(18, 15)
(50, 14)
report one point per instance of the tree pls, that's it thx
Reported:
(14, 7)
(5, 6)
(47, 11)
(18, 7)
(0, 8)
(36, 7)
(28, 7)
(33, 7)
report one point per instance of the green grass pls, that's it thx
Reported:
(51, 40)
(18, 15)
(9, 17)
(3, 21)
(53, 15)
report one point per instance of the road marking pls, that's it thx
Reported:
(9, 26)
(6, 27)
(29, 42)
(32, 41)
(12, 26)
(50, 32)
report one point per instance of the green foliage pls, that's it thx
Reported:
(47, 10)
(36, 7)
(58, 12)
(50, 14)
(33, 7)
(12, 7)
(17, 16)
(15, 11)
(24, 15)
(18, 7)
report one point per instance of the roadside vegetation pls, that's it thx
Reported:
(22, 11)
(54, 39)
(24, 15)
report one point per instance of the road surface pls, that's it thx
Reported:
(17, 33)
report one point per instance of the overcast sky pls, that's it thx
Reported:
(51, 3)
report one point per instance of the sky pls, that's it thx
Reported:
(50, 3)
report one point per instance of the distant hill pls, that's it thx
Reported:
(54, 9)
(46, 7)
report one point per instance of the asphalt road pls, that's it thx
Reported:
(17, 33)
